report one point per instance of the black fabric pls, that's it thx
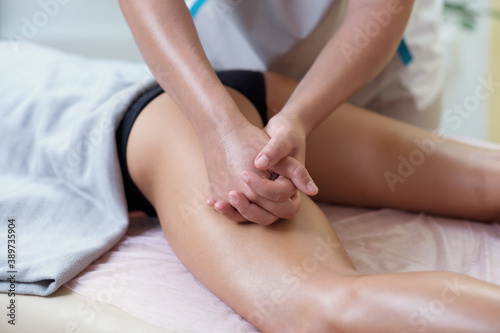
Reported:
(135, 199)
(249, 83)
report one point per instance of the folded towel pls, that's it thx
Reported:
(59, 174)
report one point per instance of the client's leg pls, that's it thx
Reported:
(358, 157)
(293, 276)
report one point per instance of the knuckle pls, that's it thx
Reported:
(252, 181)
(300, 171)
(282, 195)
(278, 196)
(278, 147)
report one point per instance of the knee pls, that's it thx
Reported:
(334, 304)
(319, 305)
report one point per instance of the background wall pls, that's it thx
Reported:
(466, 59)
(494, 119)
(93, 28)
(96, 28)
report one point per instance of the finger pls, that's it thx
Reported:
(272, 153)
(211, 201)
(228, 211)
(250, 211)
(278, 190)
(296, 200)
(284, 210)
(297, 173)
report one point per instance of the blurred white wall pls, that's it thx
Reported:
(93, 28)
(466, 59)
(97, 28)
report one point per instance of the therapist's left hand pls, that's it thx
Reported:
(287, 138)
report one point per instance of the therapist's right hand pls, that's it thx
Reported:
(240, 191)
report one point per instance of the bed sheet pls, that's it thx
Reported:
(143, 277)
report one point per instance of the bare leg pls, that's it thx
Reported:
(358, 157)
(293, 276)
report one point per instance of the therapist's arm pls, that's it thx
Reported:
(342, 68)
(170, 46)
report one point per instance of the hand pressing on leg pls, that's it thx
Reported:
(242, 192)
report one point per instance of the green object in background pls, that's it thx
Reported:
(467, 15)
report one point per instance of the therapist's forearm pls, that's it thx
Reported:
(343, 67)
(169, 43)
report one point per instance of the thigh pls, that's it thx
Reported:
(267, 274)
(359, 157)
(348, 153)
(293, 275)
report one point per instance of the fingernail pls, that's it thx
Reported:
(244, 176)
(263, 161)
(311, 187)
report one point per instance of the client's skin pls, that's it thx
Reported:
(256, 269)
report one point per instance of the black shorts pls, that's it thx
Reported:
(249, 83)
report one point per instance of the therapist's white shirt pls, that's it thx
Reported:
(285, 36)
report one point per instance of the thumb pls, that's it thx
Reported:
(275, 150)
(292, 169)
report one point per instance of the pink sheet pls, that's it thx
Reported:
(143, 277)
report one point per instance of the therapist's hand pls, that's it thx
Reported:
(242, 192)
(287, 139)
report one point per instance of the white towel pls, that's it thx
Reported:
(59, 173)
